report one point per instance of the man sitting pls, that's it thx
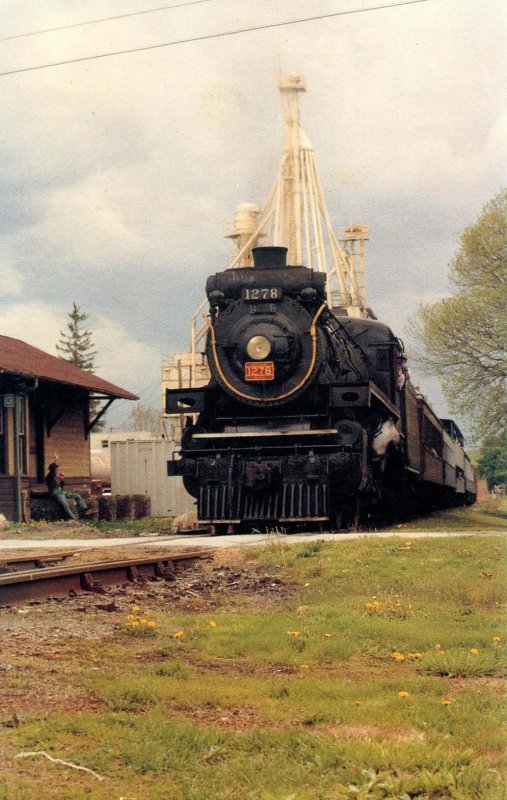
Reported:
(55, 482)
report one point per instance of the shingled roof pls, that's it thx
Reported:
(20, 358)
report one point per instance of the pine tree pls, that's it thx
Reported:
(76, 346)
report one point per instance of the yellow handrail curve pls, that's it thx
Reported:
(313, 334)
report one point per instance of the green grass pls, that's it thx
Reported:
(299, 699)
(489, 514)
(136, 525)
(48, 530)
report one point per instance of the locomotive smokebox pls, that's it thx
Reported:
(270, 257)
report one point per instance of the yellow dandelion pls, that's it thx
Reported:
(302, 609)
(328, 635)
(497, 638)
(135, 608)
(179, 635)
(304, 666)
(446, 702)
(294, 633)
(212, 623)
(143, 620)
(135, 623)
(358, 702)
(474, 651)
(403, 694)
(151, 623)
(438, 647)
(130, 616)
(398, 656)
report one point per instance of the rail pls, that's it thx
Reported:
(47, 582)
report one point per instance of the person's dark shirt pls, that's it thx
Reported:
(52, 482)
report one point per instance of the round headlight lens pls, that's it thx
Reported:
(258, 348)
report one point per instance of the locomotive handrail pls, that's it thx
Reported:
(313, 334)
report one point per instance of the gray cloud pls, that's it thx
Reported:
(119, 174)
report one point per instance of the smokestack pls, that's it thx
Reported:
(270, 257)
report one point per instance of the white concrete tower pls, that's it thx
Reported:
(295, 216)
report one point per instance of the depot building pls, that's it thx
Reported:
(45, 416)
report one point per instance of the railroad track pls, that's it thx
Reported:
(34, 561)
(44, 582)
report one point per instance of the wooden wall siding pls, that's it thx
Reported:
(8, 496)
(67, 443)
(7, 506)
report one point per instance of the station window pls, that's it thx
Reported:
(2, 437)
(22, 435)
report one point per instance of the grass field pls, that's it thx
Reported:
(379, 676)
(488, 514)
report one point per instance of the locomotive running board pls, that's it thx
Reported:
(250, 434)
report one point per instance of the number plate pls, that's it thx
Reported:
(275, 293)
(259, 371)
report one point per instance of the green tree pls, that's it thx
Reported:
(492, 463)
(465, 336)
(76, 346)
(144, 418)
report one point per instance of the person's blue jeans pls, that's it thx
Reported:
(61, 497)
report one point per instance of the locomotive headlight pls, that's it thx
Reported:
(258, 348)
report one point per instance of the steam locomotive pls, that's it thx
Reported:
(309, 417)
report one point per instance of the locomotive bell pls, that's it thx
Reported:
(270, 257)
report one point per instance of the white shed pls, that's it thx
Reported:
(140, 467)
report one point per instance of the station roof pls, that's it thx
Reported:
(20, 358)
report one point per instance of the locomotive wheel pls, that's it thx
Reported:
(348, 516)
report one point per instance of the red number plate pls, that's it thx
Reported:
(259, 371)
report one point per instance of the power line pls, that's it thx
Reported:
(103, 19)
(208, 36)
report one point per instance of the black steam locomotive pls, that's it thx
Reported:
(309, 416)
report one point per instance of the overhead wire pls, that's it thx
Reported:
(208, 36)
(103, 19)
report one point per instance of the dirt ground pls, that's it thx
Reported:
(44, 633)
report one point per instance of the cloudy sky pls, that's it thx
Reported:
(118, 174)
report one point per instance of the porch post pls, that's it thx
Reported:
(17, 458)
